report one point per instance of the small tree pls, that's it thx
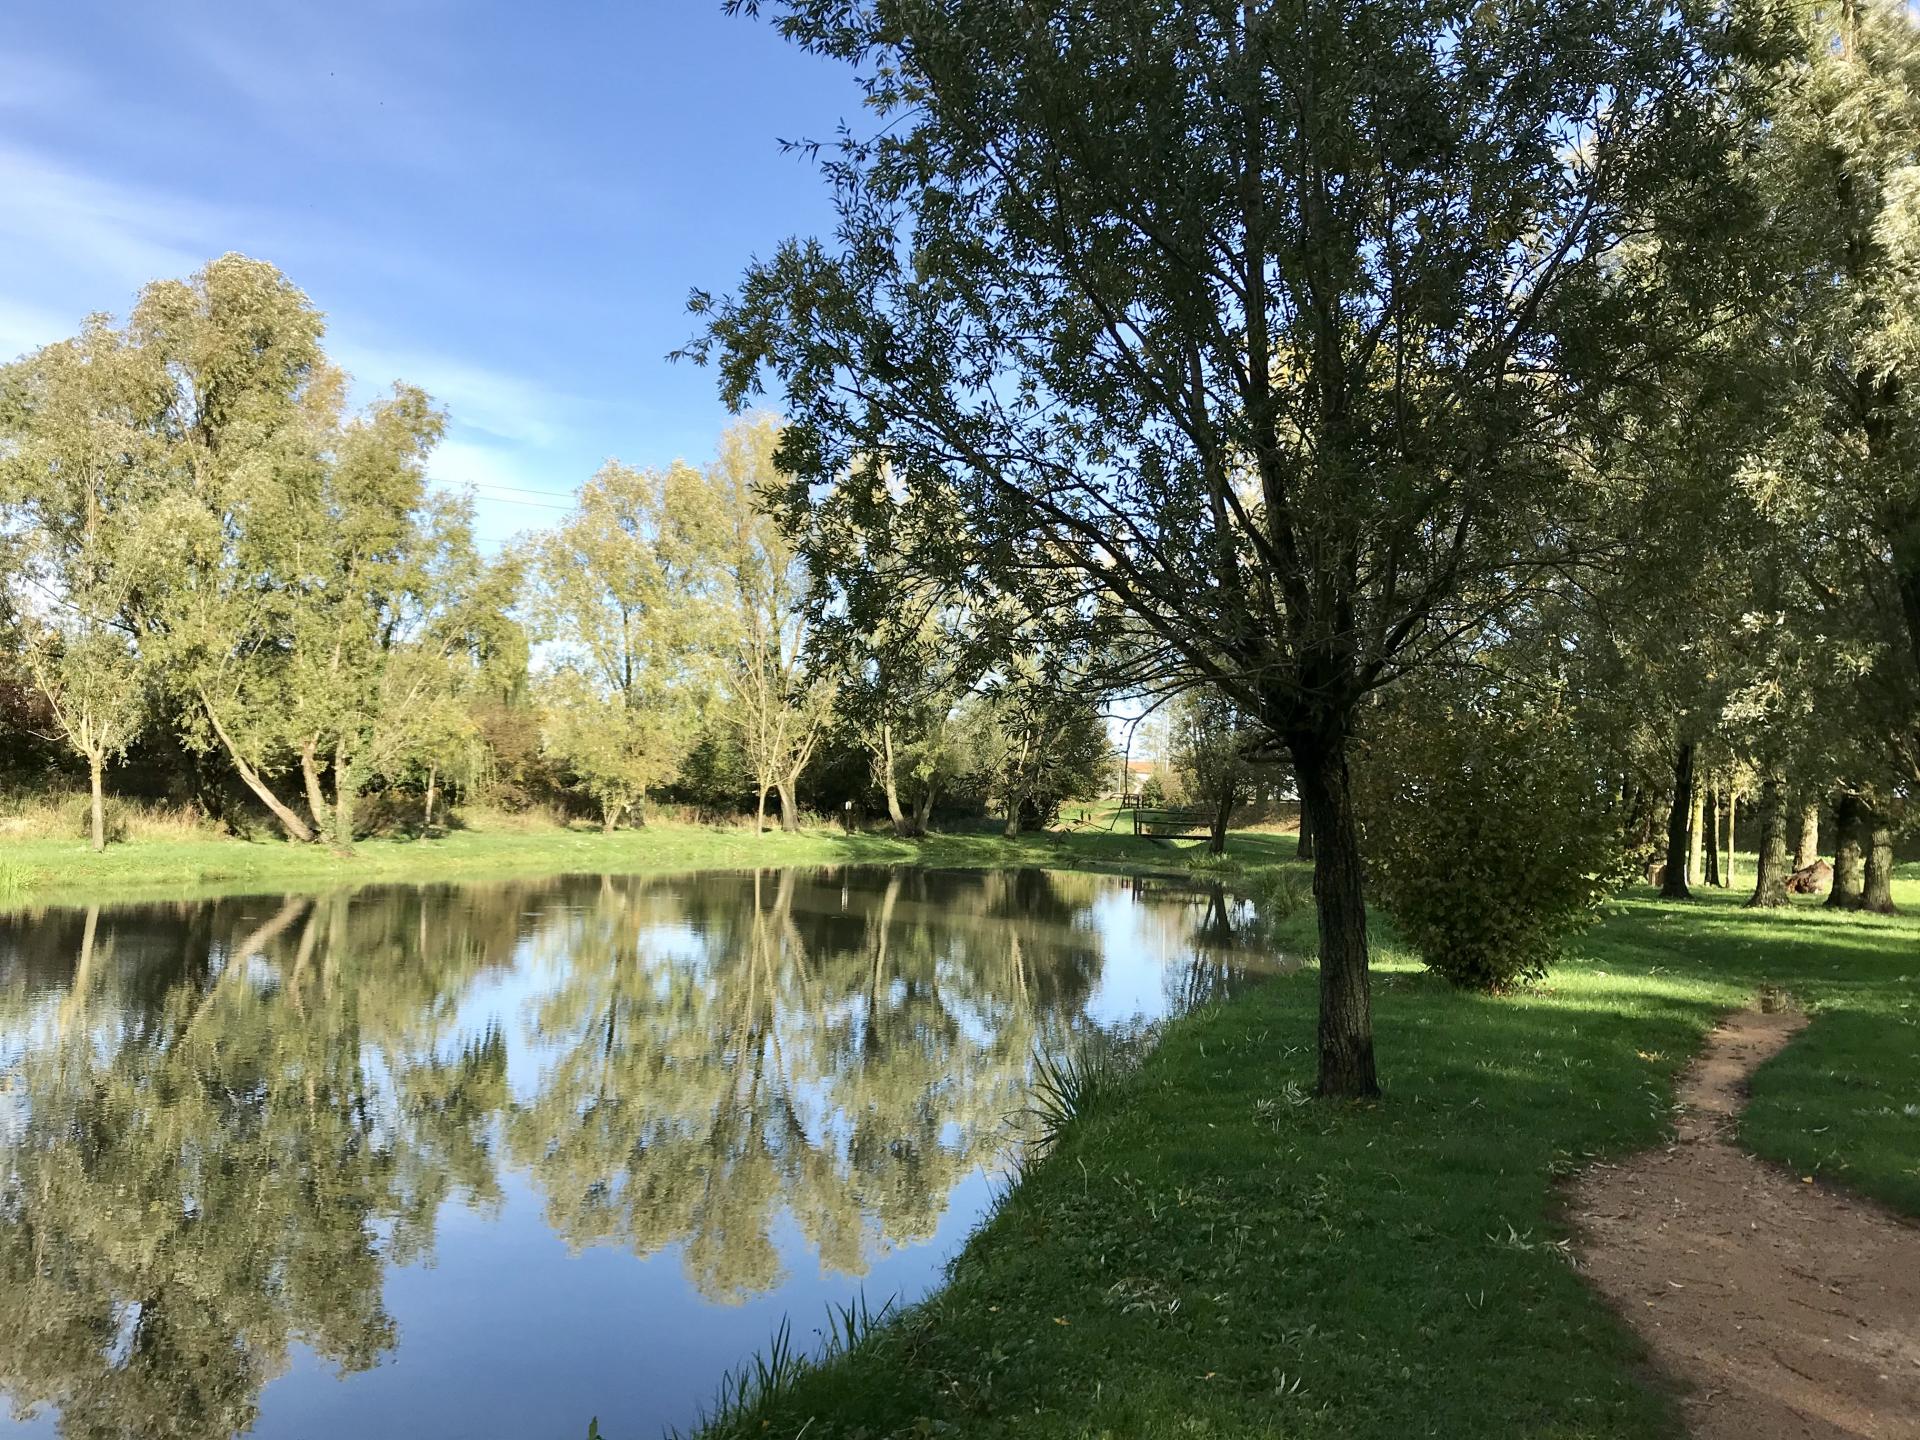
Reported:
(71, 472)
(779, 704)
(1210, 756)
(1489, 835)
(622, 594)
(614, 748)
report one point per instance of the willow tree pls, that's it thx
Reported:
(241, 402)
(366, 594)
(1842, 166)
(622, 597)
(1265, 322)
(780, 705)
(72, 482)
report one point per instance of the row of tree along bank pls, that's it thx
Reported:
(219, 574)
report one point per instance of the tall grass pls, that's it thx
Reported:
(746, 1393)
(68, 815)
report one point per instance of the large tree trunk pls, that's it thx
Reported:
(1806, 844)
(1222, 815)
(295, 827)
(1876, 892)
(1849, 853)
(890, 786)
(97, 776)
(760, 812)
(1011, 829)
(1770, 876)
(789, 807)
(1673, 884)
(923, 807)
(1733, 818)
(310, 780)
(1346, 1003)
(343, 792)
(1713, 839)
(1304, 849)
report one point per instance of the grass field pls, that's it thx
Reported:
(41, 871)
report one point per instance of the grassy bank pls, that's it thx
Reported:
(41, 871)
(1210, 1253)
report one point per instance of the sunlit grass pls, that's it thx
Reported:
(66, 871)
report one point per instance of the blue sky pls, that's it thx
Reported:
(505, 203)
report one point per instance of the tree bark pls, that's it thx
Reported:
(310, 778)
(789, 807)
(610, 815)
(1806, 845)
(1696, 835)
(923, 808)
(1849, 853)
(1304, 849)
(433, 791)
(1770, 875)
(342, 797)
(97, 776)
(760, 812)
(1733, 818)
(295, 827)
(1876, 891)
(1713, 839)
(1222, 814)
(1673, 884)
(890, 786)
(1346, 1002)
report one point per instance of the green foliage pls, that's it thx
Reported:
(1210, 740)
(1488, 836)
(199, 520)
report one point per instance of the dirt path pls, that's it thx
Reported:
(1788, 1309)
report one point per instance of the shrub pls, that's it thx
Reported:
(1489, 835)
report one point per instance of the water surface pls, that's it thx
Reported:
(489, 1160)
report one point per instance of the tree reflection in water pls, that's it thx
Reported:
(222, 1121)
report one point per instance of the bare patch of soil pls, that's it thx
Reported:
(1789, 1309)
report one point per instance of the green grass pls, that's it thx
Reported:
(66, 871)
(1209, 1252)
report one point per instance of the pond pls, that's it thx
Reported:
(492, 1160)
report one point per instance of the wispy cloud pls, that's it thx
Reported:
(491, 402)
(59, 220)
